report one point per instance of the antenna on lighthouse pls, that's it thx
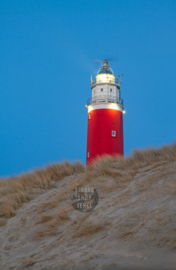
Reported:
(105, 62)
(122, 78)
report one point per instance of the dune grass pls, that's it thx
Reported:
(89, 229)
(52, 223)
(14, 191)
(44, 218)
(27, 262)
(2, 223)
(112, 166)
(172, 187)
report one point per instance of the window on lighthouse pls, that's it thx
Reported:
(110, 90)
(89, 115)
(113, 133)
(101, 89)
(88, 154)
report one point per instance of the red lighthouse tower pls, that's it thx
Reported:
(105, 115)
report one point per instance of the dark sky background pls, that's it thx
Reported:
(46, 61)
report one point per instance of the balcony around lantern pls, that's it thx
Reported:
(105, 99)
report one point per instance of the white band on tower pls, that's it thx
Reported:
(113, 106)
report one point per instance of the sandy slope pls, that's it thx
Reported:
(136, 226)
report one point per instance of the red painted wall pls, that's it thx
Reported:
(99, 133)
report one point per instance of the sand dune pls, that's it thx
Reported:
(132, 227)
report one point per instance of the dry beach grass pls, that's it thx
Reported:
(18, 190)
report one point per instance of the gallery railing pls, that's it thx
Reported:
(105, 98)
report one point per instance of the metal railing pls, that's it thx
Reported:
(93, 82)
(105, 98)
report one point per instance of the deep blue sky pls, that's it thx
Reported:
(46, 60)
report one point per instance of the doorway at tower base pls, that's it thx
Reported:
(105, 134)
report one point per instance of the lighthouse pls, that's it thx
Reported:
(105, 115)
